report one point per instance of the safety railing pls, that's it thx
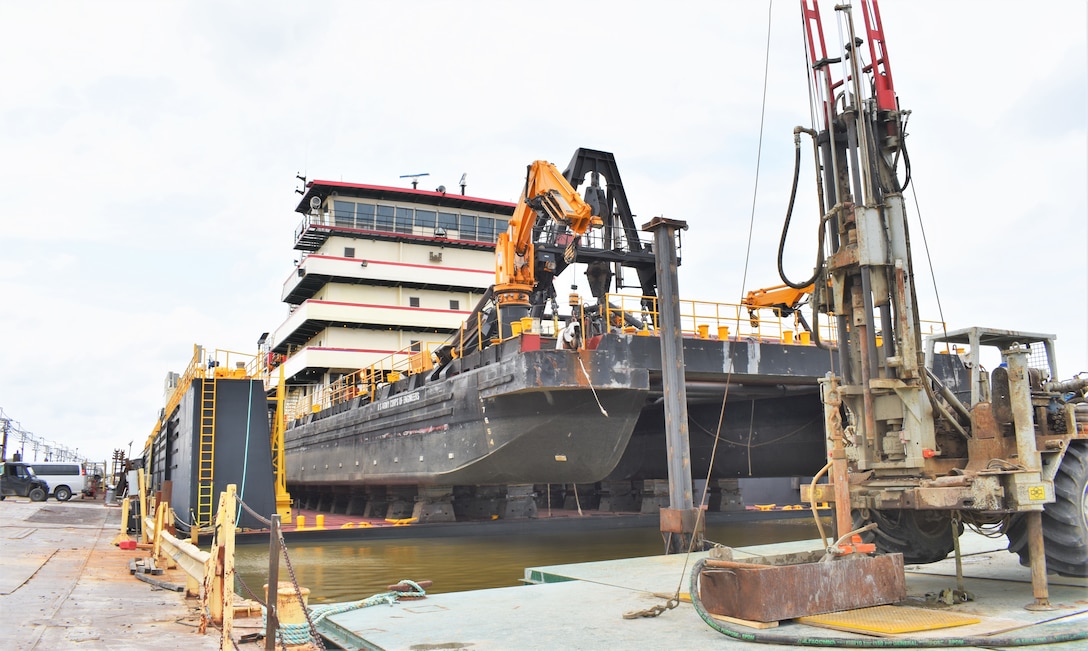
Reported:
(417, 358)
(707, 320)
(218, 364)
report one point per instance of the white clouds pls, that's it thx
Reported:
(150, 150)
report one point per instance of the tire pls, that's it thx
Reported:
(63, 493)
(37, 495)
(920, 536)
(1065, 522)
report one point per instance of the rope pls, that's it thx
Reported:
(301, 633)
(245, 455)
(260, 518)
(590, 383)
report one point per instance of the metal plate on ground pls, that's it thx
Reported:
(889, 620)
(765, 593)
(71, 515)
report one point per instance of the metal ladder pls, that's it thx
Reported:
(206, 459)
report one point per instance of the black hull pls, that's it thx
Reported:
(528, 417)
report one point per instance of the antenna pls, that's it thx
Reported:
(414, 177)
(462, 183)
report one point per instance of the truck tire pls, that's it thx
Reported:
(1065, 522)
(63, 493)
(920, 536)
(37, 495)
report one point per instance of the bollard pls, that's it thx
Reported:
(320, 524)
(300, 522)
(806, 337)
(787, 336)
(293, 624)
(704, 331)
(723, 332)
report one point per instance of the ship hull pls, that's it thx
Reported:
(523, 416)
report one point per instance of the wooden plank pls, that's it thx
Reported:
(744, 622)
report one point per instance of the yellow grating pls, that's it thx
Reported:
(889, 620)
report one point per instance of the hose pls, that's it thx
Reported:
(868, 643)
(789, 215)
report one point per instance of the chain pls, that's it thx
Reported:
(298, 592)
(263, 605)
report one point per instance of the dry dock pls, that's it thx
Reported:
(581, 606)
(64, 585)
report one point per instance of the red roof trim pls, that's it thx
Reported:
(407, 191)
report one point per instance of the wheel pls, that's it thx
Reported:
(63, 493)
(37, 495)
(920, 536)
(1065, 522)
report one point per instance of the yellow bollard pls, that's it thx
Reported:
(723, 332)
(787, 336)
(320, 521)
(288, 609)
(704, 331)
(527, 324)
(805, 337)
(300, 522)
(515, 328)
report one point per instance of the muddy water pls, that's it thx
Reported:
(354, 570)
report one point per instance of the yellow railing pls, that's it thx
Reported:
(711, 320)
(222, 364)
(623, 313)
(417, 358)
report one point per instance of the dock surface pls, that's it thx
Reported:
(64, 585)
(581, 606)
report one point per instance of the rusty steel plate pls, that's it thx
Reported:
(766, 593)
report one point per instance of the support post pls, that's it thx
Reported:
(273, 579)
(681, 518)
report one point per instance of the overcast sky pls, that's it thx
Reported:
(149, 151)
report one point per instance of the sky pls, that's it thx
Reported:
(149, 153)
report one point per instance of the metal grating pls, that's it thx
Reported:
(889, 620)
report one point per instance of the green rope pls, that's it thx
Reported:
(300, 633)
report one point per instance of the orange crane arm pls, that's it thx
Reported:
(546, 192)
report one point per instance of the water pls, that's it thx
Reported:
(353, 570)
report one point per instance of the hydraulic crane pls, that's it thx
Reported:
(906, 452)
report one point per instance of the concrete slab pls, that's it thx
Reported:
(64, 585)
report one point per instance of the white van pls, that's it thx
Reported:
(64, 479)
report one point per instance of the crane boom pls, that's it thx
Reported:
(547, 194)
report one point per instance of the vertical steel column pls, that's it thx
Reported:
(272, 622)
(681, 516)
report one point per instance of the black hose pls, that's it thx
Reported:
(868, 643)
(786, 224)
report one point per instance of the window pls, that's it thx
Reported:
(364, 216)
(455, 304)
(349, 252)
(384, 221)
(485, 229)
(447, 221)
(425, 219)
(343, 213)
(415, 345)
(413, 301)
(501, 225)
(404, 220)
(468, 227)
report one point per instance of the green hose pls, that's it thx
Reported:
(868, 643)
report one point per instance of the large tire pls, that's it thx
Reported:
(37, 495)
(63, 493)
(920, 536)
(1065, 522)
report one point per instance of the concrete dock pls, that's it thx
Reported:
(64, 585)
(581, 606)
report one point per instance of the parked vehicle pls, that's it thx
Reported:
(16, 479)
(65, 479)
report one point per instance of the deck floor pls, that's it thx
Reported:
(581, 606)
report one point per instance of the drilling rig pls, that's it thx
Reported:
(907, 451)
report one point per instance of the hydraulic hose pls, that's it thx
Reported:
(869, 643)
(797, 131)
